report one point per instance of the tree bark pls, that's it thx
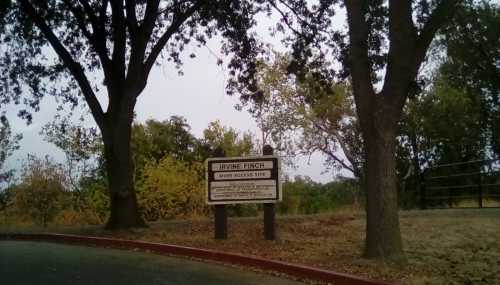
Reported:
(383, 236)
(123, 202)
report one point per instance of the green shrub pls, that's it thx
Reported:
(42, 193)
(94, 198)
(304, 196)
(171, 188)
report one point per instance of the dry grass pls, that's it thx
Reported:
(442, 246)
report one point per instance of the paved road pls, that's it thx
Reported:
(46, 263)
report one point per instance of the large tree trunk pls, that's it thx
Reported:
(383, 237)
(123, 201)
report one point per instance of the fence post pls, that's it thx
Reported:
(423, 199)
(269, 208)
(480, 190)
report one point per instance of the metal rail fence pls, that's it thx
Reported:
(471, 184)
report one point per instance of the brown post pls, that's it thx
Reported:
(269, 209)
(220, 222)
(220, 213)
(480, 190)
(423, 198)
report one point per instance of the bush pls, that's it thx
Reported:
(42, 193)
(94, 198)
(304, 196)
(243, 210)
(171, 188)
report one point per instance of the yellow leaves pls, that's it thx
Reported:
(42, 192)
(171, 188)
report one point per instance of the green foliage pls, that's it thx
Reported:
(304, 196)
(94, 197)
(76, 141)
(8, 144)
(301, 116)
(81, 145)
(171, 188)
(243, 210)
(446, 124)
(217, 136)
(5, 197)
(455, 118)
(121, 42)
(443, 125)
(230, 142)
(154, 139)
(472, 44)
(42, 193)
(45, 196)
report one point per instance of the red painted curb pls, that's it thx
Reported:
(295, 270)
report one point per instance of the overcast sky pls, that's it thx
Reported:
(198, 95)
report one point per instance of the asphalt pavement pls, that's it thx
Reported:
(26, 262)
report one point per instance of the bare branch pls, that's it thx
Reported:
(326, 150)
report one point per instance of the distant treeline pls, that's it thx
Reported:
(169, 177)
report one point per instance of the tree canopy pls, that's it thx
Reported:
(9, 142)
(300, 117)
(117, 43)
(381, 53)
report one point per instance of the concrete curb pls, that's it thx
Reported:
(295, 270)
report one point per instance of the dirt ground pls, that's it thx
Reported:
(442, 246)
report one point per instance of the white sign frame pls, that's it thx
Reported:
(245, 159)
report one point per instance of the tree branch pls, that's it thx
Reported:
(149, 21)
(131, 18)
(402, 37)
(345, 149)
(162, 41)
(119, 41)
(98, 23)
(103, 15)
(80, 20)
(74, 67)
(95, 40)
(137, 41)
(324, 148)
(407, 49)
(358, 61)
(90, 13)
(442, 13)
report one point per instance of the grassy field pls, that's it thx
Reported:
(442, 246)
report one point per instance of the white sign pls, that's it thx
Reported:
(242, 175)
(251, 165)
(243, 180)
(255, 190)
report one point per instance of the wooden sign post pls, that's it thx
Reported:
(220, 213)
(269, 210)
